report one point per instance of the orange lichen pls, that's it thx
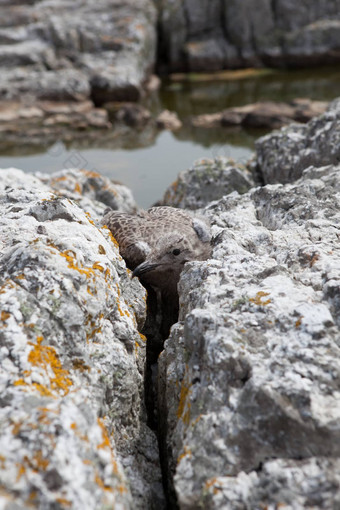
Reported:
(314, 259)
(16, 428)
(47, 358)
(105, 435)
(70, 256)
(21, 471)
(100, 268)
(106, 444)
(298, 322)
(258, 299)
(209, 483)
(89, 219)
(113, 239)
(183, 411)
(78, 188)
(4, 315)
(2, 461)
(20, 276)
(186, 452)
(90, 173)
(37, 462)
(101, 484)
(33, 496)
(143, 337)
(101, 250)
(64, 502)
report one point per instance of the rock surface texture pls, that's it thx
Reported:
(263, 114)
(249, 393)
(282, 156)
(208, 35)
(73, 50)
(205, 181)
(73, 425)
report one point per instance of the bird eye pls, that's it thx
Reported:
(176, 251)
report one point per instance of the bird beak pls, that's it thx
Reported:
(144, 267)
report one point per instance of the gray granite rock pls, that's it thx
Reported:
(207, 35)
(283, 155)
(205, 181)
(73, 425)
(249, 377)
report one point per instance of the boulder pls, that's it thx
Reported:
(249, 377)
(76, 49)
(282, 156)
(72, 360)
(205, 181)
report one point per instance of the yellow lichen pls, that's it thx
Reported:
(186, 452)
(183, 411)
(258, 299)
(100, 268)
(64, 502)
(46, 357)
(4, 315)
(298, 322)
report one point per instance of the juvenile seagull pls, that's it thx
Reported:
(156, 244)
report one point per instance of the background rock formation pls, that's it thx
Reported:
(73, 50)
(208, 35)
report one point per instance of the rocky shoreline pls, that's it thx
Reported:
(248, 391)
(80, 54)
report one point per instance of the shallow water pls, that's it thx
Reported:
(149, 167)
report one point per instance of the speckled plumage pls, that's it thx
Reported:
(156, 244)
(143, 235)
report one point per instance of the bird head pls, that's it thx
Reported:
(170, 254)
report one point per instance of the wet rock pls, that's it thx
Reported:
(73, 421)
(205, 181)
(49, 119)
(73, 50)
(168, 120)
(249, 377)
(263, 114)
(132, 114)
(211, 35)
(282, 156)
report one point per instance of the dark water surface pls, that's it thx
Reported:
(148, 165)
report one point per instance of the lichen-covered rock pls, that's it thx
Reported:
(249, 378)
(73, 430)
(91, 191)
(208, 35)
(205, 181)
(283, 155)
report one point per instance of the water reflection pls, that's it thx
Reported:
(147, 160)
